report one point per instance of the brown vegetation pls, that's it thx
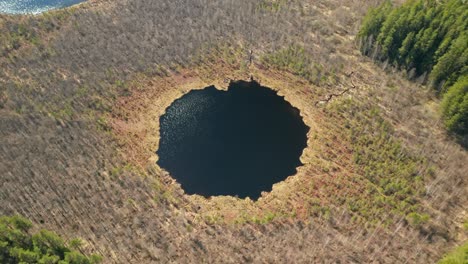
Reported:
(79, 131)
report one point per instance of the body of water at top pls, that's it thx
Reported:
(34, 6)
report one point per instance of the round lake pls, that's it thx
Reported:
(237, 142)
(33, 6)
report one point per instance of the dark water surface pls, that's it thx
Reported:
(236, 143)
(33, 6)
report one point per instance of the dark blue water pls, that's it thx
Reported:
(238, 142)
(33, 6)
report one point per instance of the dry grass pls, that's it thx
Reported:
(79, 131)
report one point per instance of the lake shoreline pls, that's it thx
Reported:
(30, 7)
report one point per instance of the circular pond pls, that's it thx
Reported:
(34, 6)
(237, 142)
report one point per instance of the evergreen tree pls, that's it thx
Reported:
(18, 245)
(426, 36)
(455, 106)
(452, 64)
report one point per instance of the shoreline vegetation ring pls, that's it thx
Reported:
(237, 142)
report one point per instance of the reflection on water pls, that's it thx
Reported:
(236, 143)
(33, 6)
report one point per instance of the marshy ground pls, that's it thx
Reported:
(82, 91)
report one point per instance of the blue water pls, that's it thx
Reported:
(33, 6)
(238, 142)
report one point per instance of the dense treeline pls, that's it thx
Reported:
(18, 245)
(457, 256)
(428, 38)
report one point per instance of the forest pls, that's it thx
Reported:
(19, 245)
(428, 39)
